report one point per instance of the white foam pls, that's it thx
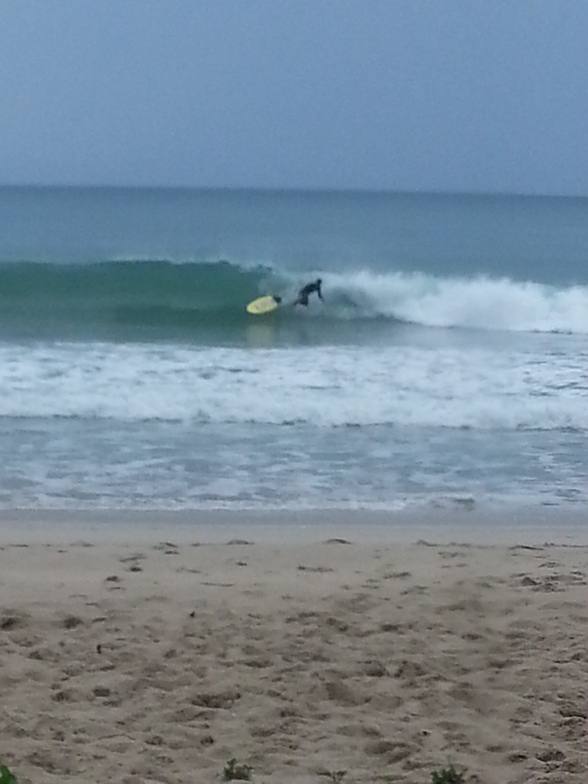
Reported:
(328, 386)
(481, 302)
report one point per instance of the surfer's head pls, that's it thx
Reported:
(318, 281)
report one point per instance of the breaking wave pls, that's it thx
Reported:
(112, 298)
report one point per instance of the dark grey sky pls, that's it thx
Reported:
(467, 95)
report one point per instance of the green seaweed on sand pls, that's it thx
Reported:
(336, 776)
(235, 771)
(6, 777)
(448, 775)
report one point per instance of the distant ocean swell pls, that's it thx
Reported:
(69, 300)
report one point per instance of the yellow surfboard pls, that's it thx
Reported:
(262, 305)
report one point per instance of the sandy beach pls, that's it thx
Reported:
(159, 657)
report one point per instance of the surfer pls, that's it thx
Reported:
(305, 291)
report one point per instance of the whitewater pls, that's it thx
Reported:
(445, 368)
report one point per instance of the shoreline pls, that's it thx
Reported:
(526, 525)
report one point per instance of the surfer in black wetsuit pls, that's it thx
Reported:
(304, 292)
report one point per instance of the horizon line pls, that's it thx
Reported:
(288, 189)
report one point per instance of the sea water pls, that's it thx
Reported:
(446, 367)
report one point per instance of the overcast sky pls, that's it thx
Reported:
(443, 95)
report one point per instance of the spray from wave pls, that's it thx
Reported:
(477, 303)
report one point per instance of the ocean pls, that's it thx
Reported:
(447, 367)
